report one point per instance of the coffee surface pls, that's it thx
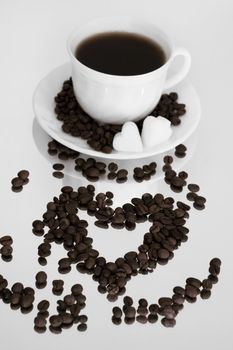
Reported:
(120, 53)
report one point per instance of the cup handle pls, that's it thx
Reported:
(178, 76)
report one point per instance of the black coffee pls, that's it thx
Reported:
(120, 53)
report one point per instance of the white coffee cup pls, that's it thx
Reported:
(116, 99)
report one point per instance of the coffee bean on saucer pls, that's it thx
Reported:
(58, 166)
(58, 174)
(112, 175)
(112, 167)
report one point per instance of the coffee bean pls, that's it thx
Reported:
(193, 282)
(168, 322)
(58, 174)
(198, 206)
(43, 305)
(55, 330)
(183, 175)
(17, 182)
(130, 312)
(181, 148)
(67, 319)
(193, 188)
(69, 300)
(41, 279)
(168, 159)
(200, 201)
(128, 301)
(40, 322)
(178, 299)
(17, 288)
(141, 319)
(112, 167)
(215, 262)
(117, 312)
(57, 287)
(168, 312)
(6, 251)
(58, 166)
(82, 319)
(55, 321)
(23, 174)
(28, 291)
(191, 291)
(82, 327)
(205, 294)
(207, 284)
(191, 196)
(179, 290)
(154, 309)
(163, 253)
(152, 318)
(6, 240)
(214, 270)
(164, 301)
(76, 289)
(213, 279)
(26, 301)
(117, 321)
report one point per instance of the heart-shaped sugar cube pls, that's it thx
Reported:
(155, 130)
(128, 140)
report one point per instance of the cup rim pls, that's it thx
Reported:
(111, 76)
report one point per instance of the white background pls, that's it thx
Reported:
(32, 40)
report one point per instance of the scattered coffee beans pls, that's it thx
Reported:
(19, 181)
(58, 166)
(144, 173)
(58, 174)
(167, 308)
(6, 250)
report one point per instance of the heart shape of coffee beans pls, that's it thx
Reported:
(165, 235)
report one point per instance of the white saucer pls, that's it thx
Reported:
(43, 105)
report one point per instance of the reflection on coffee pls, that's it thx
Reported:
(120, 53)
